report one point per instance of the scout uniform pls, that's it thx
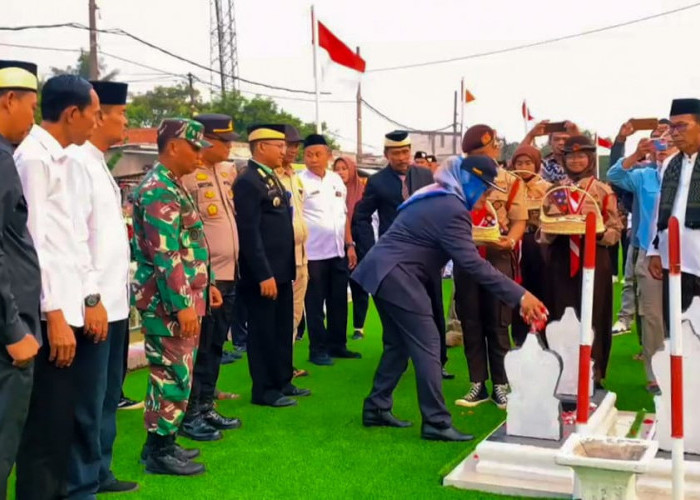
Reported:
(264, 218)
(20, 288)
(172, 274)
(564, 255)
(210, 187)
(530, 253)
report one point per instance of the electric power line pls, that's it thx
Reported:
(537, 44)
(121, 32)
(400, 125)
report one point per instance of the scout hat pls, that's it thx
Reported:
(315, 140)
(420, 155)
(18, 75)
(291, 135)
(110, 93)
(685, 107)
(484, 168)
(476, 137)
(577, 143)
(182, 128)
(397, 139)
(267, 131)
(218, 126)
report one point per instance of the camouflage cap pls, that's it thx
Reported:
(182, 128)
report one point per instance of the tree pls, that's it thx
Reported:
(149, 109)
(82, 68)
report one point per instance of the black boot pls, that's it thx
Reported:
(195, 427)
(162, 458)
(180, 452)
(214, 418)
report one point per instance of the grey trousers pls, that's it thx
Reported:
(627, 309)
(650, 302)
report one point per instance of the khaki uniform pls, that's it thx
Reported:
(293, 185)
(510, 206)
(536, 188)
(211, 190)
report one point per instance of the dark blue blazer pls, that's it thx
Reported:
(405, 265)
(383, 195)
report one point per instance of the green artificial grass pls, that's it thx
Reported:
(319, 449)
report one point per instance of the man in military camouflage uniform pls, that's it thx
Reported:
(171, 289)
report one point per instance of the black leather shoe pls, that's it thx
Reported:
(344, 353)
(282, 401)
(432, 433)
(292, 390)
(198, 429)
(229, 357)
(382, 418)
(180, 452)
(321, 360)
(218, 421)
(446, 375)
(117, 486)
(165, 462)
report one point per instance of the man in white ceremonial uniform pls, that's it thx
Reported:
(680, 197)
(101, 231)
(325, 214)
(68, 107)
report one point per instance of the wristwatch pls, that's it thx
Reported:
(348, 245)
(92, 300)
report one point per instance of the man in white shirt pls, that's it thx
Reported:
(101, 230)
(68, 106)
(325, 214)
(680, 197)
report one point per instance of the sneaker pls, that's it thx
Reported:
(620, 328)
(500, 395)
(129, 404)
(358, 335)
(476, 395)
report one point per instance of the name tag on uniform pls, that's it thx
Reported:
(314, 193)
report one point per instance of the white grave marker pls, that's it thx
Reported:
(533, 409)
(564, 337)
(661, 364)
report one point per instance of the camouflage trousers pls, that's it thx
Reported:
(170, 361)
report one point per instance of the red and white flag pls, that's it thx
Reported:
(526, 112)
(338, 51)
(605, 143)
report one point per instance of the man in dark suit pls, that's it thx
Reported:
(267, 267)
(384, 192)
(431, 227)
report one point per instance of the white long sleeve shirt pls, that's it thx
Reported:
(690, 238)
(100, 229)
(325, 213)
(42, 166)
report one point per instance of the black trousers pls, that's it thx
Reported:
(532, 265)
(15, 391)
(360, 305)
(269, 345)
(485, 320)
(211, 344)
(125, 359)
(98, 378)
(42, 460)
(328, 284)
(690, 288)
(239, 322)
(409, 335)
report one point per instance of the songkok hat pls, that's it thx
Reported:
(420, 155)
(685, 107)
(111, 93)
(315, 140)
(267, 131)
(397, 139)
(18, 75)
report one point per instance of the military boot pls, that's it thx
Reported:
(216, 419)
(163, 458)
(195, 427)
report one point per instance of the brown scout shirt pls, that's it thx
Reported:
(604, 198)
(517, 210)
(210, 189)
(536, 188)
(291, 183)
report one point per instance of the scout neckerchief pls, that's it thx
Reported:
(575, 201)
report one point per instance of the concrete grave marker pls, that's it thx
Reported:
(563, 337)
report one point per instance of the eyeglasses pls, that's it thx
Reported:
(679, 127)
(279, 145)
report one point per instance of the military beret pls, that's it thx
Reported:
(476, 137)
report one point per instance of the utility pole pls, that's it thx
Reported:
(94, 67)
(190, 78)
(454, 127)
(359, 117)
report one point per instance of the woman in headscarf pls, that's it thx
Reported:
(346, 168)
(401, 271)
(564, 254)
(527, 162)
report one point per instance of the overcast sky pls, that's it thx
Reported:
(598, 80)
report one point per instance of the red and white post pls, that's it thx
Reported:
(584, 356)
(675, 327)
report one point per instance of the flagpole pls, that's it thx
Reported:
(461, 113)
(526, 115)
(314, 24)
(597, 156)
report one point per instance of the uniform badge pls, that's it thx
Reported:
(194, 234)
(230, 195)
(202, 177)
(276, 202)
(212, 210)
(209, 195)
(224, 174)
